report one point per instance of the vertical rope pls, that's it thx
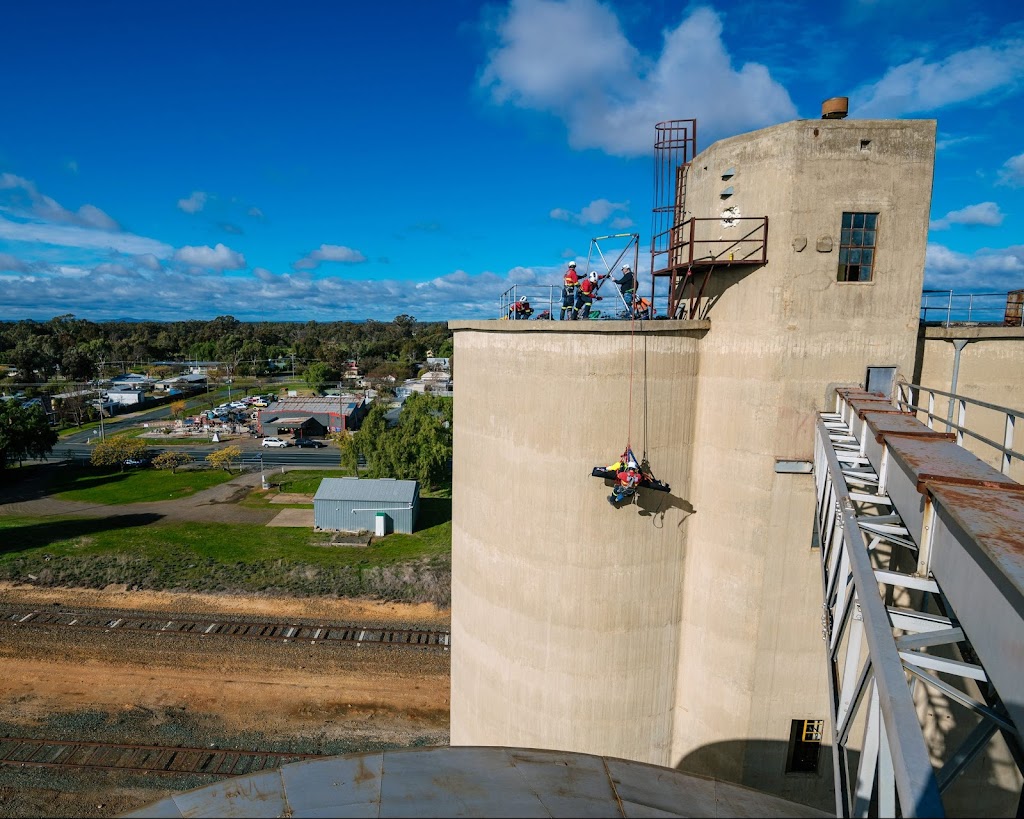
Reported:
(632, 352)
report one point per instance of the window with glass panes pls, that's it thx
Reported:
(857, 247)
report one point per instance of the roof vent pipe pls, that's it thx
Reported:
(835, 108)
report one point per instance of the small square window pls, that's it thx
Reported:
(857, 241)
(804, 745)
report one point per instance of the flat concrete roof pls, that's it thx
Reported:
(656, 326)
(971, 332)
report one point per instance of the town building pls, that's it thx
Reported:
(313, 416)
(381, 505)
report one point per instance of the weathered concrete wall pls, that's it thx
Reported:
(751, 648)
(565, 609)
(991, 368)
(692, 639)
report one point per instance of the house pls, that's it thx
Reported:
(380, 505)
(131, 381)
(125, 396)
(181, 383)
(313, 416)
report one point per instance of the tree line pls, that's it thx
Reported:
(79, 350)
(418, 447)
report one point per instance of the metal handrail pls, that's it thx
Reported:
(968, 308)
(510, 296)
(850, 588)
(757, 254)
(905, 400)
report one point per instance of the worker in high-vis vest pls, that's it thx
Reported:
(586, 293)
(570, 281)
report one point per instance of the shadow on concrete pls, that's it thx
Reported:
(656, 504)
(761, 764)
(36, 535)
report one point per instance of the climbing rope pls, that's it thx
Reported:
(632, 359)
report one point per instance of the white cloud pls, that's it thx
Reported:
(597, 212)
(329, 253)
(987, 270)
(41, 206)
(212, 258)
(1012, 172)
(85, 239)
(148, 261)
(570, 58)
(92, 216)
(13, 264)
(944, 141)
(918, 86)
(984, 213)
(195, 203)
(621, 223)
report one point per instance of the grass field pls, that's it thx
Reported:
(95, 485)
(146, 551)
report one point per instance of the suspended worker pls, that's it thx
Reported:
(570, 281)
(586, 293)
(626, 284)
(628, 477)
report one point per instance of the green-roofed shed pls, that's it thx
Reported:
(354, 504)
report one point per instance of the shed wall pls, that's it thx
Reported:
(342, 515)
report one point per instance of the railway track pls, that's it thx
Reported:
(153, 623)
(153, 759)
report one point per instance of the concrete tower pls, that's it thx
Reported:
(684, 630)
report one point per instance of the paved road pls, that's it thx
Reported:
(253, 454)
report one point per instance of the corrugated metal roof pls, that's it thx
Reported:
(366, 489)
(344, 404)
(471, 781)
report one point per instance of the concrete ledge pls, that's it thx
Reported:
(971, 332)
(504, 326)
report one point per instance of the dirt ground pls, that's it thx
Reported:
(189, 691)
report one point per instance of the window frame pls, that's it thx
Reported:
(803, 756)
(858, 247)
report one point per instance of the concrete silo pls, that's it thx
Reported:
(687, 636)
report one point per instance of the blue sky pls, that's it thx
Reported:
(342, 161)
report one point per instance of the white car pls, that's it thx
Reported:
(275, 442)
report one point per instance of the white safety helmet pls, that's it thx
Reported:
(593, 275)
(523, 298)
(626, 268)
(572, 264)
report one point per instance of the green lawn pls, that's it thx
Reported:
(147, 552)
(105, 486)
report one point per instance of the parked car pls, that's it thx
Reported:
(275, 442)
(309, 442)
(139, 462)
